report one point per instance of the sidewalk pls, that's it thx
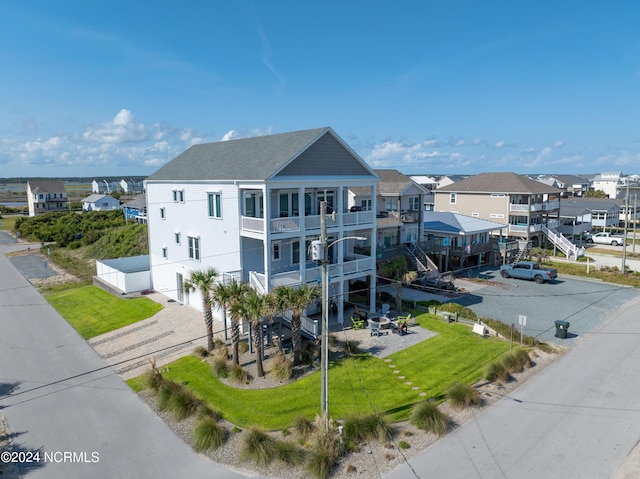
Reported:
(170, 334)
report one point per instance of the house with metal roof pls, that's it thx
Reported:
(250, 208)
(44, 196)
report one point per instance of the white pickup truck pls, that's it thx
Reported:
(606, 238)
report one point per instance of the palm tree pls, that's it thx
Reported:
(221, 297)
(255, 307)
(237, 292)
(298, 300)
(204, 281)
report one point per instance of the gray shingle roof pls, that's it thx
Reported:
(257, 158)
(46, 186)
(499, 183)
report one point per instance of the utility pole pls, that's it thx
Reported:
(626, 229)
(324, 360)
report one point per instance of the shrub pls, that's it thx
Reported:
(425, 415)
(208, 434)
(462, 311)
(522, 357)
(165, 393)
(289, 453)
(496, 371)
(206, 411)
(183, 403)
(243, 347)
(237, 374)
(220, 367)
(303, 426)
(153, 378)
(221, 351)
(281, 367)
(325, 451)
(362, 428)
(463, 395)
(200, 352)
(403, 445)
(258, 447)
(511, 363)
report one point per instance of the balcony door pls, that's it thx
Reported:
(288, 204)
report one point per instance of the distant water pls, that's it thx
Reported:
(14, 204)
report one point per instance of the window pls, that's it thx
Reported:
(177, 238)
(178, 196)
(215, 205)
(194, 248)
(163, 214)
(165, 253)
(391, 204)
(365, 205)
(275, 251)
(497, 195)
(452, 198)
(496, 215)
(414, 203)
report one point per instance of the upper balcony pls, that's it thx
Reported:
(534, 207)
(294, 224)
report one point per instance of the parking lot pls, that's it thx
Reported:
(585, 304)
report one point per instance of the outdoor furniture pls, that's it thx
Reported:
(411, 321)
(385, 309)
(374, 328)
(357, 323)
(402, 328)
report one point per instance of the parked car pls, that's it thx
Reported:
(606, 238)
(528, 270)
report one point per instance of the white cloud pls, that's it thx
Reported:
(122, 129)
(237, 134)
(558, 144)
(499, 144)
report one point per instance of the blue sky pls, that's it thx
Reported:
(91, 88)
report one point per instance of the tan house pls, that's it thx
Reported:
(527, 207)
(46, 195)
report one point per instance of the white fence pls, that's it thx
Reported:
(127, 274)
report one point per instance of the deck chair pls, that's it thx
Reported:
(385, 309)
(357, 323)
(374, 328)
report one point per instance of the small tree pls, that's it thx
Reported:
(397, 270)
(237, 292)
(203, 281)
(298, 300)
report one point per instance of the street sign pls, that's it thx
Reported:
(522, 320)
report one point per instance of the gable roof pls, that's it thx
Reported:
(97, 197)
(394, 183)
(609, 205)
(455, 223)
(499, 183)
(46, 186)
(263, 157)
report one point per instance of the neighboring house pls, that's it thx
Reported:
(251, 207)
(136, 209)
(604, 212)
(430, 184)
(104, 187)
(524, 205)
(399, 209)
(572, 185)
(131, 186)
(46, 195)
(459, 241)
(100, 203)
(575, 218)
(449, 180)
(609, 182)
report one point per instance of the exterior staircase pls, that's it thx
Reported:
(560, 241)
(421, 261)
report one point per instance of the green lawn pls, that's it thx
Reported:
(358, 385)
(92, 311)
(8, 222)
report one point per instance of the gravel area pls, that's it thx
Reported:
(372, 459)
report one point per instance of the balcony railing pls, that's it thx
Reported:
(524, 228)
(291, 224)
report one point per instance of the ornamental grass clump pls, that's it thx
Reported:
(290, 453)
(208, 435)
(304, 427)
(364, 428)
(258, 447)
(523, 357)
(220, 367)
(496, 371)
(281, 367)
(237, 374)
(425, 415)
(462, 395)
(326, 449)
(183, 403)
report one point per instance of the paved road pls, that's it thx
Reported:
(579, 418)
(58, 396)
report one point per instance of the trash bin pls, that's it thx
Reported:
(561, 329)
